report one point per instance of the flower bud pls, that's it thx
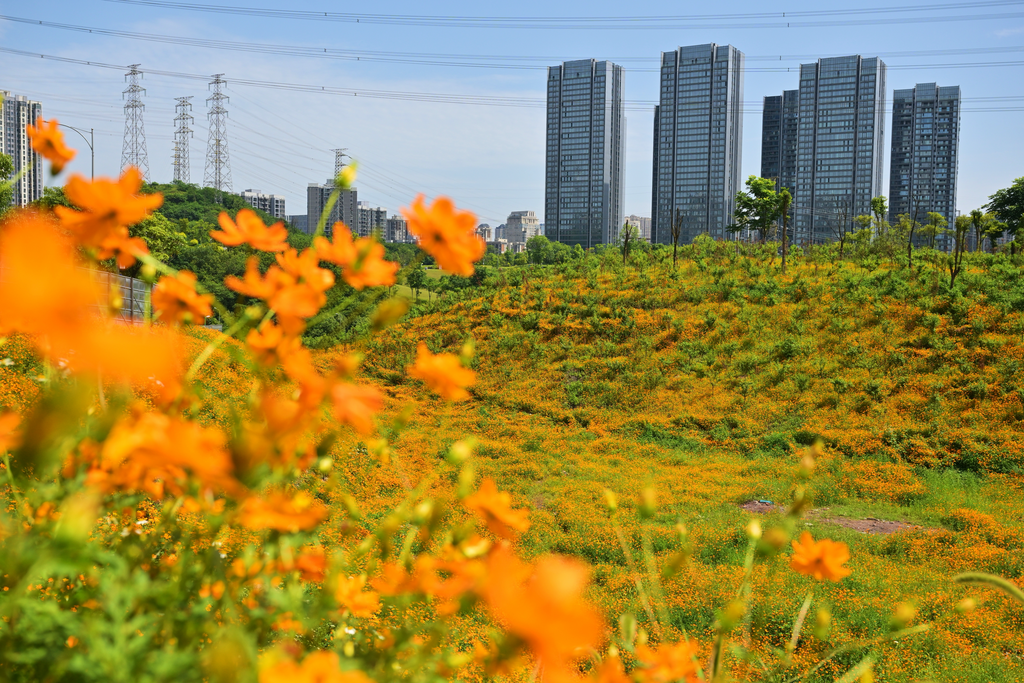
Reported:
(148, 273)
(773, 541)
(754, 530)
(468, 350)
(822, 624)
(648, 503)
(347, 176)
(675, 562)
(611, 500)
(254, 312)
(966, 605)
(902, 616)
(467, 475)
(325, 464)
(730, 617)
(388, 313)
(627, 629)
(461, 451)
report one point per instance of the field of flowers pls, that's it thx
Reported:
(548, 476)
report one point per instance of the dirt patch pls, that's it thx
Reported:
(870, 525)
(867, 525)
(762, 506)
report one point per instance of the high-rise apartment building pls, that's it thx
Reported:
(779, 138)
(397, 230)
(16, 112)
(521, 226)
(586, 146)
(346, 209)
(270, 203)
(839, 149)
(372, 219)
(925, 151)
(698, 139)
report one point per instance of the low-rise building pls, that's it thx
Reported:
(269, 203)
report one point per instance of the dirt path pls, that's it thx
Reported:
(867, 525)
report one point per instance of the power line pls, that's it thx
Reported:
(408, 96)
(531, 62)
(749, 20)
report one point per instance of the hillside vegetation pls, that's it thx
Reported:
(706, 382)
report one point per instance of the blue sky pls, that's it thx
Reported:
(488, 158)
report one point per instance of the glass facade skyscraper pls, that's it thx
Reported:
(584, 190)
(698, 137)
(839, 152)
(779, 138)
(925, 151)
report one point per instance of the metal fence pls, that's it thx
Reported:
(130, 291)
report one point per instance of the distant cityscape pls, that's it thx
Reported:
(823, 140)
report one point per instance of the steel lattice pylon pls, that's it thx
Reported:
(182, 133)
(218, 165)
(133, 152)
(339, 160)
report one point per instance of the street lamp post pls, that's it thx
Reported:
(90, 141)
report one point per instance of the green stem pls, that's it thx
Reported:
(14, 487)
(215, 344)
(999, 582)
(799, 624)
(167, 270)
(635, 571)
(857, 644)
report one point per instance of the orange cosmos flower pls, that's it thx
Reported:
(248, 228)
(494, 507)
(446, 234)
(822, 559)
(319, 667)
(311, 563)
(9, 435)
(362, 260)
(668, 663)
(544, 606)
(176, 300)
(279, 511)
(356, 404)
(44, 290)
(107, 209)
(350, 595)
(155, 453)
(443, 373)
(49, 142)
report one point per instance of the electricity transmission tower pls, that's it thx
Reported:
(182, 133)
(218, 165)
(339, 160)
(133, 152)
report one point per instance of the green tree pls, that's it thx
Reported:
(540, 249)
(6, 190)
(759, 208)
(785, 200)
(962, 226)
(1008, 206)
(417, 280)
(935, 226)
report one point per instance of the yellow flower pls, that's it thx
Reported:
(822, 559)
(443, 373)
